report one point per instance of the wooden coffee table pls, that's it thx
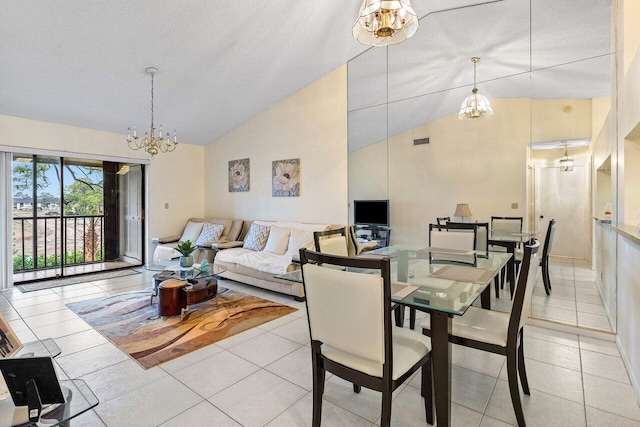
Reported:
(177, 292)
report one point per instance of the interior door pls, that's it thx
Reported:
(132, 213)
(565, 197)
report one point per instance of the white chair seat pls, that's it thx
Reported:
(408, 348)
(479, 325)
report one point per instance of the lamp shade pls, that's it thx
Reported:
(385, 22)
(475, 107)
(462, 209)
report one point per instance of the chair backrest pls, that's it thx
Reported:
(332, 242)
(349, 311)
(460, 237)
(463, 236)
(548, 241)
(524, 289)
(443, 220)
(511, 224)
(482, 233)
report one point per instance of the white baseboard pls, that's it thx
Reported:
(571, 329)
(632, 375)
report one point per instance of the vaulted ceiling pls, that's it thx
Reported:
(222, 62)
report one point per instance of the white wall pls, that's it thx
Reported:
(175, 178)
(310, 125)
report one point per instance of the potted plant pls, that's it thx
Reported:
(186, 248)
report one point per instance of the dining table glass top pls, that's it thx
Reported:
(434, 278)
(510, 236)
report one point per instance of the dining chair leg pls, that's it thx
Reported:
(412, 318)
(512, 375)
(399, 315)
(427, 391)
(385, 419)
(496, 282)
(357, 388)
(545, 277)
(318, 390)
(522, 370)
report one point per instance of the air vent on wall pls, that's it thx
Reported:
(421, 141)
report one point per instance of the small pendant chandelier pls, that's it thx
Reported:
(566, 164)
(384, 22)
(150, 143)
(476, 105)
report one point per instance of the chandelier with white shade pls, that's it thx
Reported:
(151, 143)
(385, 22)
(476, 105)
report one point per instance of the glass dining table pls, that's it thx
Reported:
(443, 283)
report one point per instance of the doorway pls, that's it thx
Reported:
(565, 197)
(67, 216)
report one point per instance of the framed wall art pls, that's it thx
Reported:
(9, 342)
(285, 178)
(239, 174)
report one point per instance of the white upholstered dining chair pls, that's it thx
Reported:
(351, 332)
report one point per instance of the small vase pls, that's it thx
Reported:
(186, 261)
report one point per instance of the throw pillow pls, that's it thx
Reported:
(300, 239)
(210, 233)
(191, 232)
(236, 229)
(257, 237)
(278, 240)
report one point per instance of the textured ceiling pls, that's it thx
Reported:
(82, 62)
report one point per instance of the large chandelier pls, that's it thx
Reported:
(385, 22)
(475, 106)
(150, 143)
(566, 163)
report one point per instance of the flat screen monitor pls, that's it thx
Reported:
(374, 212)
(17, 371)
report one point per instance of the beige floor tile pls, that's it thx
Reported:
(295, 367)
(599, 346)
(61, 329)
(257, 399)
(555, 380)
(556, 314)
(190, 359)
(115, 380)
(552, 335)
(603, 365)
(80, 341)
(594, 321)
(149, 405)
(203, 414)
(611, 396)
(300, 414)
(214, 374)
(46, 319)
(598, 418)
(488, 421)
(264, 349)
(552, 353)
(91, 359)
(540, 409)
(584, 307)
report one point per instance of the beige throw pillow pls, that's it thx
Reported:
(278, 240)
(191, 232)
(299, 239)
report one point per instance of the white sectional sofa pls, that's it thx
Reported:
(276, 253)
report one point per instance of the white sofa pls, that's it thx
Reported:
(232, 235)
(280, 255)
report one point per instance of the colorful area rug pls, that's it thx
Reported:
(131, 323)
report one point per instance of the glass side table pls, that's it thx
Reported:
(78, 399)
(46, 347)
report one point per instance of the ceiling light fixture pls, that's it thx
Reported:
(475, 106)
(385, 22)
(150, 143)
(566, 164)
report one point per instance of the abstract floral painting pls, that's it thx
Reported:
(239, 175)
(286, 178)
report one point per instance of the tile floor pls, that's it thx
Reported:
(262, 377)
(574, 300)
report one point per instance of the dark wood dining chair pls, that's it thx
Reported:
(512, 224)
(333, 242)
(546, 251)
(355, 339)
(502, 333)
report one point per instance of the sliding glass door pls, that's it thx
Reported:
(74, 216)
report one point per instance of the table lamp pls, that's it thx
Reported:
(462, 210)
